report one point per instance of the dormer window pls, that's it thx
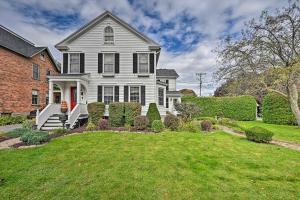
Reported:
(108, 35)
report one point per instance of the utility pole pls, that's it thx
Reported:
(200, 79)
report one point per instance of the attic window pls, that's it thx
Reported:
(43, 55)
(108, 35)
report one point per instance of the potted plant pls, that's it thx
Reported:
(63, 107)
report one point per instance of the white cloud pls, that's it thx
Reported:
(211, 17)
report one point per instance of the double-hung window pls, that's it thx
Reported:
(143, 63)
(134, 94)
(108, 35)
(108, 94)
(35, 72)
(109, 63)
(74, 63)
(161, 96)
(35, 97)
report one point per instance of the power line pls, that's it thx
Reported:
(200, 79)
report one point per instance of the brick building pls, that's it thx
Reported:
(23, 74)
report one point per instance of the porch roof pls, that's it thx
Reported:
(69, 77)
(174, 94)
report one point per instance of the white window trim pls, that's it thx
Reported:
(138, 63)
(140, 93)
(108, 43)
(38, 69)
(104, 86)
(69, 62)
(114, 64)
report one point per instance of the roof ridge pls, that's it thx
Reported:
(17, 35)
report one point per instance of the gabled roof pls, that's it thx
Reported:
(18, 44)
(166, 73)
(62, 45)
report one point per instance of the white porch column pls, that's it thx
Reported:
(78, 92)
(50, 92)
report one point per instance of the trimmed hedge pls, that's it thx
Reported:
(132, 110)
(116, 114)
(258, 134)
(277, 110)
(96, 111)
(242, 108)
(153, 113)
(35, 137)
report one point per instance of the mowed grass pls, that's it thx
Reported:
(281, 132)
(150, 166)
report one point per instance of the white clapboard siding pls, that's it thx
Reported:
(126, 43)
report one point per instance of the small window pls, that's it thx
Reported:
(74, 63)
(48, 72)
(108, 94)
(161, 96)
(109, 63)
(35, 72)
(35, 97)
(134, 94)
(108, 35)
(43, 56)
(47, 99)
(143, 63)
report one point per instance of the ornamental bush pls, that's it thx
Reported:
(188, 111)
(35, 137)
(91, 126)
(241, 108)
(211, 119)
(171, 122)
(192, 127)
(96, 111)
(157, 126)
(132, 110)
(141, 122)
(103, 124)
(153, 113)
(8, 120)
(277, 110)
(258, 134)
(18, 132)
(116, 114)
(206, 125)
(28, 124)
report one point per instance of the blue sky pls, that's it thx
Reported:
(188, 30)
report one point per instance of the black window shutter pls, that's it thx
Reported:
(167, 102)
(135, 63)
(152, 63)
(143, 92)
(116, 93)
(81, 62)
(100, 62)
(125, 93)
(99, 99)
(167, 82)
(117, 63)
(65, 63)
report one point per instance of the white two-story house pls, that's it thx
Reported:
(107, 61)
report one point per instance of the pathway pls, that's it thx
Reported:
(289, 145)
(7, 143)
(10, 127)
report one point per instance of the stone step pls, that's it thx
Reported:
(48, 124)
(53, 121)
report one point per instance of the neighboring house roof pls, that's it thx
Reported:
(166, 73)
(18, 44)
(173, 94)
(62, 45)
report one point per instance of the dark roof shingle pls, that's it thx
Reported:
(166, 73)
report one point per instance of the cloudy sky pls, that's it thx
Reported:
(188, 30)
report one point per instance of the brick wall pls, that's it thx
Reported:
(16, 82)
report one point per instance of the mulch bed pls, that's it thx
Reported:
(18, 145)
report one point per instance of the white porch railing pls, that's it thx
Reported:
(76, 112)
(42, 117)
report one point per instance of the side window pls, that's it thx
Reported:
(143, 63)
(35, 72)
(108, 35)
(161, 96)
(109, 63)
(74, 63)
(35, 97)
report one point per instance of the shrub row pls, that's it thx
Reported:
(96, 111)
(258, 134)
(277, 110)
(241, 108)
(8, 120)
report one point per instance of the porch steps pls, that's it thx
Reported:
(52, 123)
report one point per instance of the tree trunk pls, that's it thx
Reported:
(293, 98)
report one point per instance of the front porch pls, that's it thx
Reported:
(73, 90)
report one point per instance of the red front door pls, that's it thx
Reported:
(73, 97)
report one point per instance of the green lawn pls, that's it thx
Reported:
(150, 166)
(281, 132)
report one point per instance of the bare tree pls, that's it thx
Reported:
(267, 52)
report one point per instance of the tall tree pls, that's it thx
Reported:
(267, 53)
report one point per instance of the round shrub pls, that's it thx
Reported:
(116, 114)
(153, 113)
(103, 124)
(35, 137)
(141, 122)
(157, 126)
(206, 125)
(211, 119)
(258, 134)
(91, 126)
(96, 111)
(28, 124)
(171, 122)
